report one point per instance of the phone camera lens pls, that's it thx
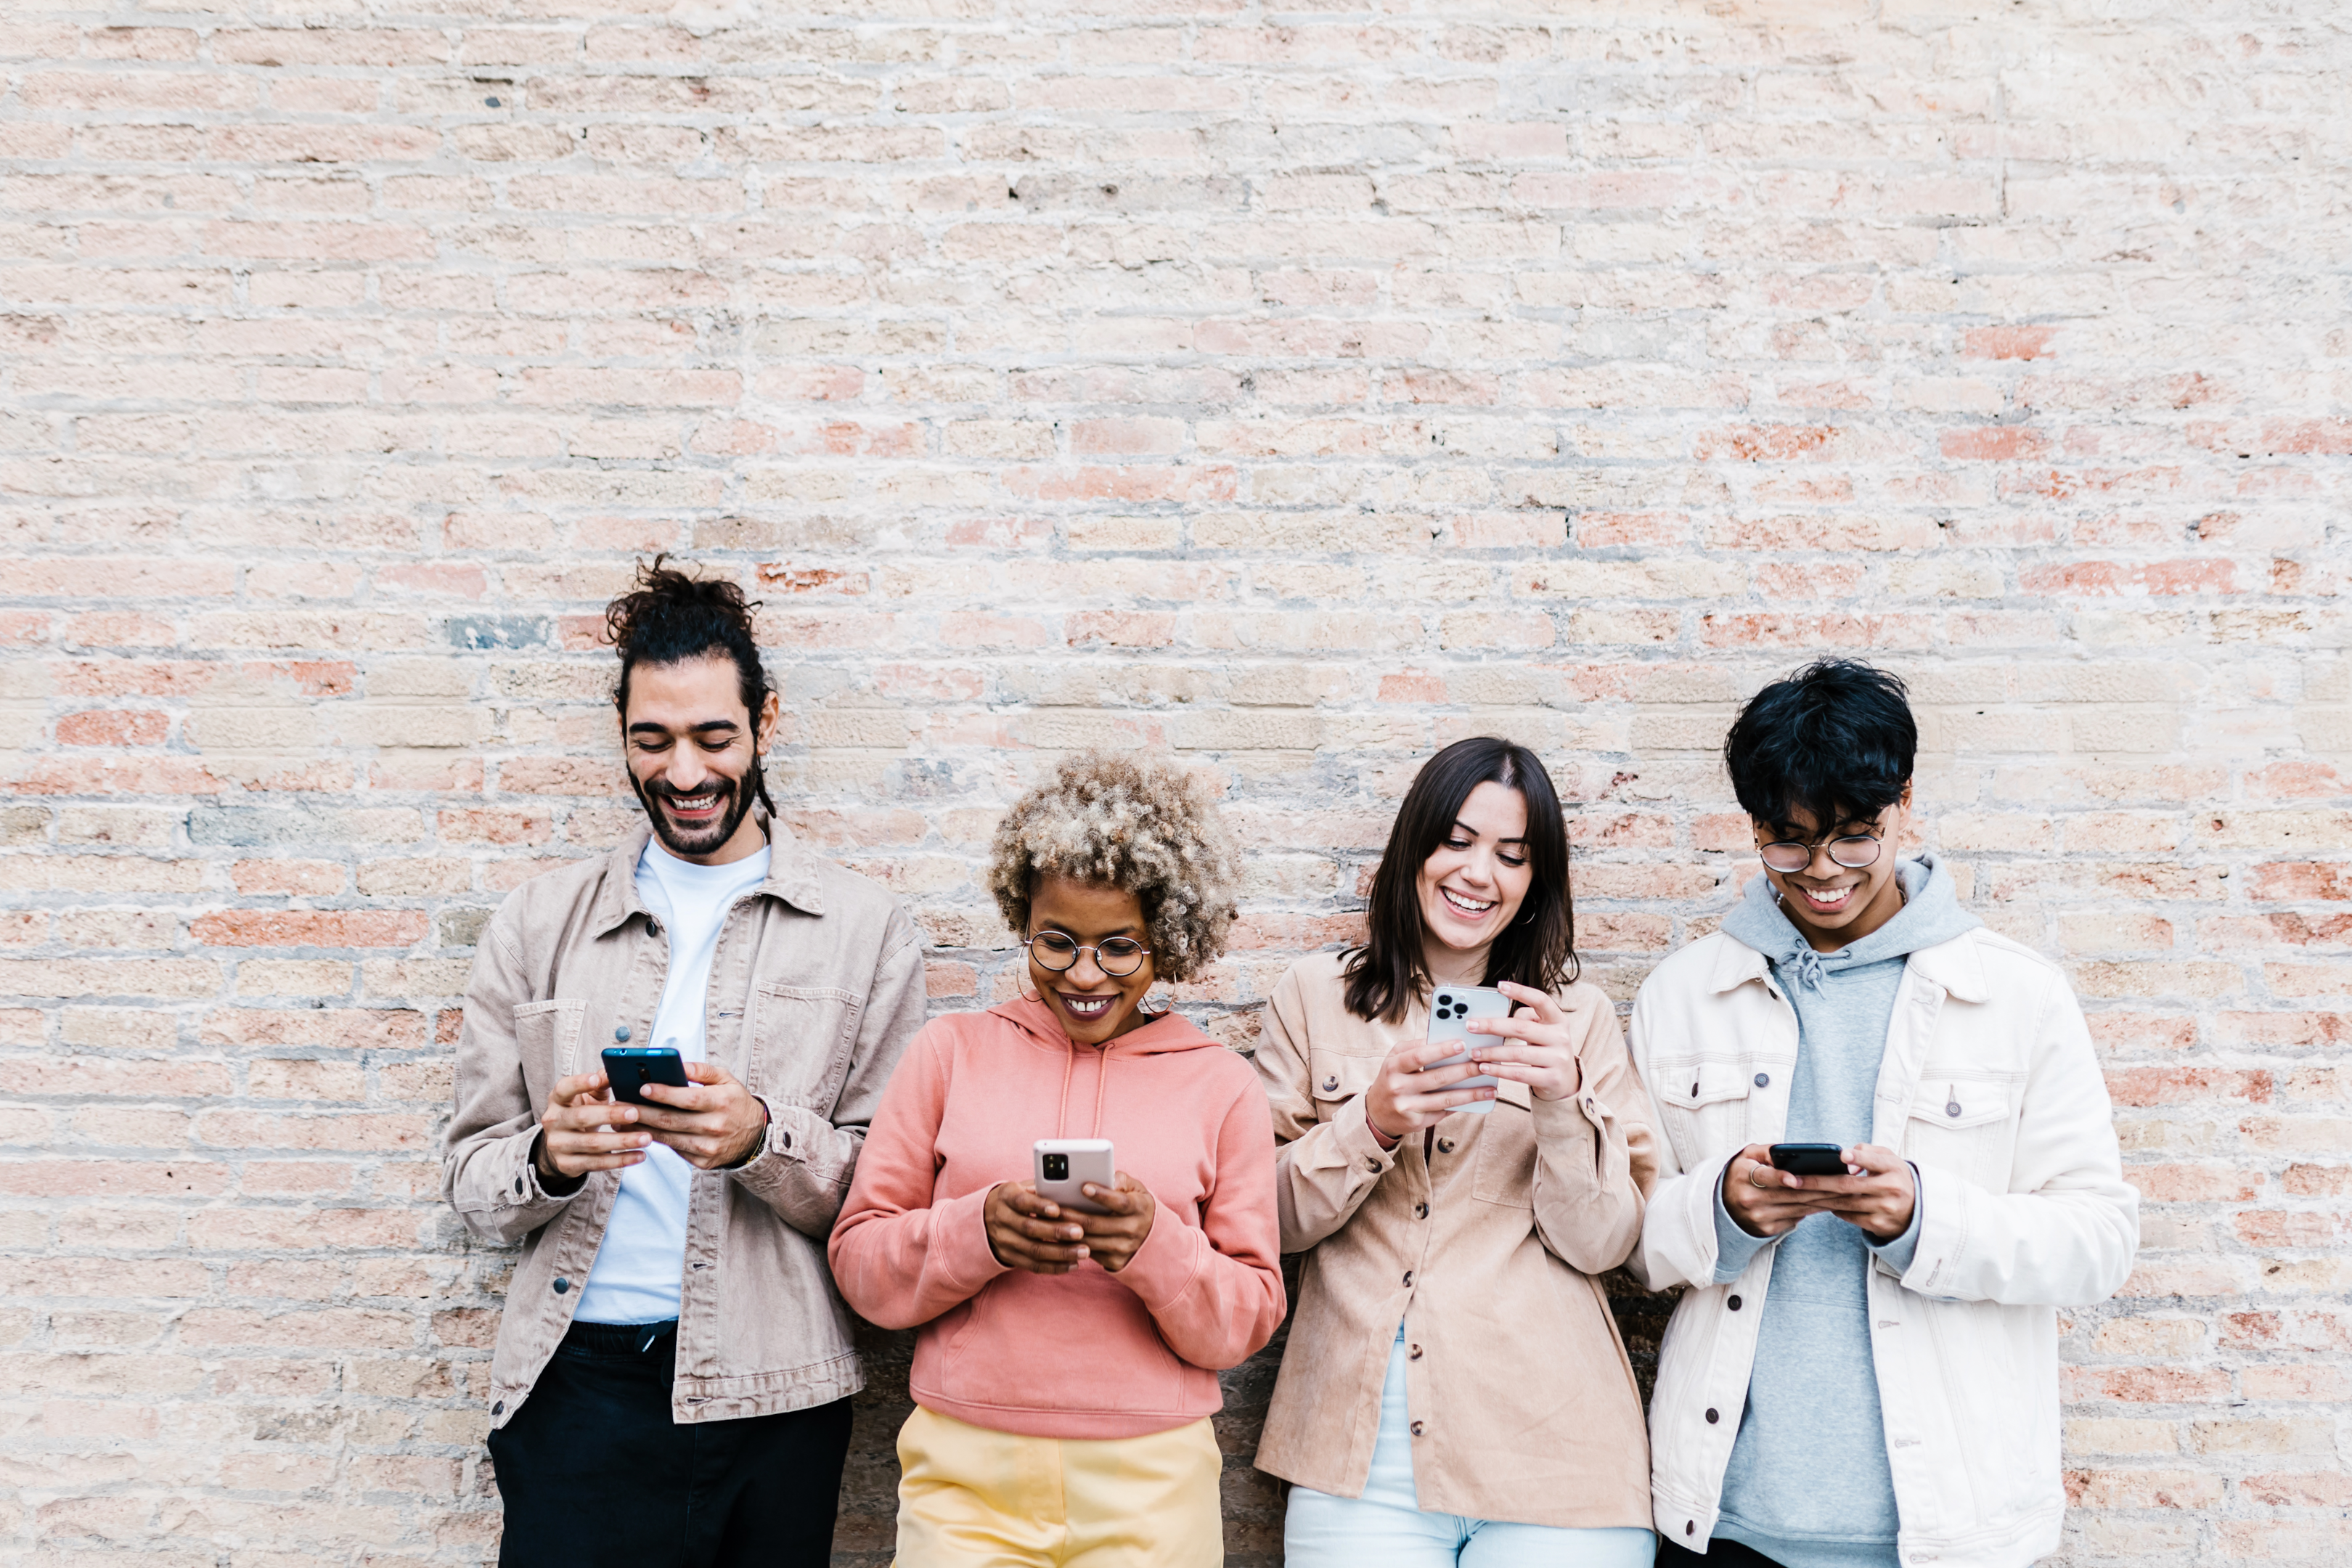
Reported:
(1057, 1167)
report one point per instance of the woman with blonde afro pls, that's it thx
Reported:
(1066, 1369)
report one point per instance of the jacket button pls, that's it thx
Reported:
(1694, 1091)
(1415, 1354)
(561, 1285)
(1951, 1107)
(1330, 1084)
(1420, 1211)
(1733, 1303)
(622, 1033)
(1408, 1276)
(499, 1408)
(518, 1186)
(1762, 1078)
(1445, 1145)
(1712, 1416)
(1417, 1428)
(1691, 1527)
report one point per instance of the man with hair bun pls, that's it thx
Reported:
(672, 1377)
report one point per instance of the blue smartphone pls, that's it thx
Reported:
(630, 1068)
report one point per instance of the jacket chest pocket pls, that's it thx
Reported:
(1333, 1078)
(1963, 1124)
(801, 1040)
(1506, 1173)
(547, 1042)
(1704, 1103)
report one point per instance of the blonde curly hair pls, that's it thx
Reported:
(1145, 826)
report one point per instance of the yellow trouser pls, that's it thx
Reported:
(970, 1497)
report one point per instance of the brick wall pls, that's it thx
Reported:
(1292, 391)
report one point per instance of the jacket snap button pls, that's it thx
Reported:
(561, 1285)
(622, 1033)
(1691, 1527)
(1420, 1211)
(1416, 1352)
(1712, 1416)
(1417, 1429)
(1408, 1276)
(1951, 1107)
(499, 1408)
(1372, 1165)
(1445, 1145)
(1330, 1084)
(1694, 1090)
(518, 1186)
(1762, 1078)
(1733, 1303)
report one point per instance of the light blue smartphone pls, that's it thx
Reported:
(1451, 1008)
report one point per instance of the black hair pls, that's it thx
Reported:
(1391, 970)
(671, 617)
(1836, 740)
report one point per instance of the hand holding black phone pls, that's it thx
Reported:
(628, 1068)
(1809, 1159)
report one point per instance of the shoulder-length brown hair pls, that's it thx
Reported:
(1390, 971)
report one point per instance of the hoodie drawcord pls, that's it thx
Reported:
(1062, 1113)
(1102, 1083)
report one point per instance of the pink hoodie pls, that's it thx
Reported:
(1088, 1353)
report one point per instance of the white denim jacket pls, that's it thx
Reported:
(1991, 1089)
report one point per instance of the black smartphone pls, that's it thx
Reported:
(1802, 1159)
(630, 1068)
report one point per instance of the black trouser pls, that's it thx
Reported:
(1720, 1553)
(595, 1474)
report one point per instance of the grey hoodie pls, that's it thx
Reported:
(1808, 1484)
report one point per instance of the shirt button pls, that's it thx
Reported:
(1372, 1165)
(1417, 1428)
(1951, 1107)
(1712, 1416)
(1330, 1085)
(1416, 1353)
(1733, 1303)
(1408, 1276)
(1691, 1527)
(1445, 1145)
(562, 1285)
(1694, 1091)
(499, 1408)
(1420, 1211)
(518, 1186)
(622, 1033)
(1762, 1078)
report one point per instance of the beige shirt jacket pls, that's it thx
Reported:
(816, 985)
(1484, 1240)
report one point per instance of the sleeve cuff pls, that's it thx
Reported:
(960, 1242)
(1164, 1264)
(1352, 1130)
(1734, 1247)
(523, 1189)
(1899, 1253)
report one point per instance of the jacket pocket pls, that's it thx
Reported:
(1333, 1078)
(801, 1041)
(1964, 1124)
(1705, 1105)
(547, 1042)
(1506, 1171)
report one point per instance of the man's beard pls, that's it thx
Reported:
(739, 793)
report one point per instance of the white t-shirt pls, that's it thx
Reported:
(636, 1277)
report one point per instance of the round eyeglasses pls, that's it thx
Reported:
(1852, 853)
(1117, 956)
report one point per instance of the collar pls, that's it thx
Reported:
(791, 876)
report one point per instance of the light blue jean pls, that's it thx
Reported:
(1386, 1529)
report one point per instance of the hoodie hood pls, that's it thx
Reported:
(1930, 915)
(1165, 1035)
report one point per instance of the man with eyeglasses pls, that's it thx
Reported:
(1863, 1371)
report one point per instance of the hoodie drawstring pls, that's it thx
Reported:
(1062, 1112)
(1102, 1084)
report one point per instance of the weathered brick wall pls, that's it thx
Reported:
(1293, 391)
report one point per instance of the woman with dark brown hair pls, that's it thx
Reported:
(1454, 1392)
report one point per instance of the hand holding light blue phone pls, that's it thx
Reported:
(1450, 1009)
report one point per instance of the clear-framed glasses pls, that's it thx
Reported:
(1117, 956)
(1852, 853)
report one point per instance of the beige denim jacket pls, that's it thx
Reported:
(1482, 1239)
(816, 985)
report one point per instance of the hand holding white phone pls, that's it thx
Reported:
(1064, 1166)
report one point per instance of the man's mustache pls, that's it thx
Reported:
(711, 785)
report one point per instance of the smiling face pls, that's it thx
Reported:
(691, 749)
(1093, 1007)
(1473, 883)
(1833, 905)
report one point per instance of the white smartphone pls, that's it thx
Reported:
(1450, 1008)
(1065, 1165)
